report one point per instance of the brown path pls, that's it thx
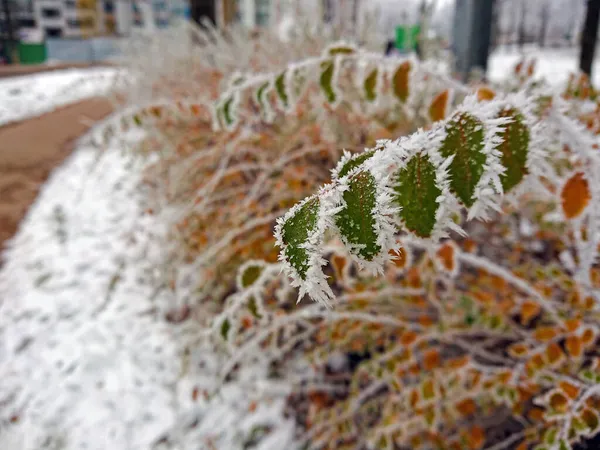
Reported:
(30, 149)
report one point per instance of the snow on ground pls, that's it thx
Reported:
(553, 64)
(31, 95)
(87, 357)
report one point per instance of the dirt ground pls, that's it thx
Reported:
(30, 149)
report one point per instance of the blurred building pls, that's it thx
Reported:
(90, 18)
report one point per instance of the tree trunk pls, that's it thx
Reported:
(589, 36)
(10, 34)
(544, 19)
(521, 37)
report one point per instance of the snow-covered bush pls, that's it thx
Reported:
(453, 260)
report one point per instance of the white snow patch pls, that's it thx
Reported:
(87, 357)
(31, 95)
(552, 64)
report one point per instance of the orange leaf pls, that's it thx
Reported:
(572, 324)
(554, 353)
(439, 106)
(431, 359)
(446, 257)
(574, 346)
(408, 338)
(545, 334)
(466, 407)
(518, 350)
(536, 414)
(484, 93)
(558, 401)
(529, 310)
(475, 438)
(588, 337)
(571, 390)
(575, 195)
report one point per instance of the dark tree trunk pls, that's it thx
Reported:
(544, 20)
(9, 40)
(521, 38)
(203, 8)
(589, 36)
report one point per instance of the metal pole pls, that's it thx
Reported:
(589, 36)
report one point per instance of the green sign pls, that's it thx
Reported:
(407, 36)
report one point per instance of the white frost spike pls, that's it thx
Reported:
(315, 284)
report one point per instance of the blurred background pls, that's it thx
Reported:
(472, 35)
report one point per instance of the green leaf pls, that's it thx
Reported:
(564, 445)
(225, 327)
(260, 96)
(400, 81)
(354, 162)
(280, 88)
(250, 275)
(416, 193)
(228, 112)
(295, 232)
(341, 50)
(550, 435)
(356, 221)
(137, 119)
(370, 85)
(326, 80)
(464, 140)
(253, 307)
(514, 149)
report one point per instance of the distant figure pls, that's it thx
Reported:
(391, 50)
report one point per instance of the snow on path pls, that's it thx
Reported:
(87, 358)
(31, 95)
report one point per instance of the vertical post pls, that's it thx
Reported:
(10, 34)
(472, 32)
(589, 36)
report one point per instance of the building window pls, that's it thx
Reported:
(53, 32)
(27, 23)
(50, 13)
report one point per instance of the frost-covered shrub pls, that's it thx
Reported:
(453, 260)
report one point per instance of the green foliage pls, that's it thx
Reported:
(341, 50)
(416, 193)
(464, 140)
(356, 221)
(354, 162)
(280, 88)
(295, 233)
(514, 148)
(370, 85)
(225, 327)
(253, 308)
(250, 275)
(227, 112)
(326, 80)
(260, 95)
